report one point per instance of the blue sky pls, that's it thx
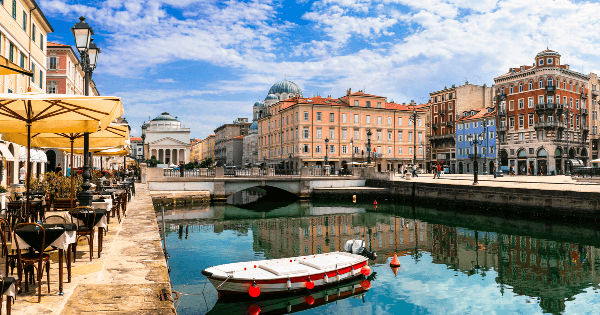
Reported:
(208, 61)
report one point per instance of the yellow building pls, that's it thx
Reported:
(23, 36)
(196, 152)
(208, 148)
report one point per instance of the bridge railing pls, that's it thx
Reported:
(246, 172)
(196, 172)
(326, 172)
(287, 173)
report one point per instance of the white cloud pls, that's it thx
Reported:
(168, 80)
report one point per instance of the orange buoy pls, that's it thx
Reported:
(375, 203)
(310, 300)
(310, 284)
(395, 270)
(366, 284)
(365, 270)
(254, 290)
(254, 309)
(395, 262)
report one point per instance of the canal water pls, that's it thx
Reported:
(451, 262)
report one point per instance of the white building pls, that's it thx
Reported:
(167, 139)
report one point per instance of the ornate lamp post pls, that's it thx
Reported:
(568, 117)
(501, 101)
(89, 57)
(475, 141)
(485, 125)
(369, 134)
(144, 127)
(414, 118)
(326, 152)
(352, 148)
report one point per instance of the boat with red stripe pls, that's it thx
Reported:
(292, 274)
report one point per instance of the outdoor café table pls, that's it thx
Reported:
(100, 222)
(57, 235)
(105, 205)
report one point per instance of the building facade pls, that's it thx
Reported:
(303, 132)
(137, 148)
(446, 106)
(479, 124)
(196, 151)
(167, 139)
(543, 115)
(594, 99)
(250, 150)
(208, 148)
(224, 135)
(64, 74)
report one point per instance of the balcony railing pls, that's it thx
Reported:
(442, 137)
(549, 125)
(435, 126)
(501, 128)
(595, 93)
(550, 89)
(583, 95)
(502, 112)
(476, 156)
(449, 124)
(442, 112)
(584, 111)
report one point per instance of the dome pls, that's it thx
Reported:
(165, 116)
(271, 97)
(548, 52)
(285, 86)
(259, 104)
(254, 126)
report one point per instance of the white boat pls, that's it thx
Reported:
(292, 274)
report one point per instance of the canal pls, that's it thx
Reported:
(451, 262)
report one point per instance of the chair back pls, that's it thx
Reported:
(83, 216)
(55, 219)
(42, 231)
(5, 235)
(64, 203)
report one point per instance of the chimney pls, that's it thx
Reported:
(349, 91)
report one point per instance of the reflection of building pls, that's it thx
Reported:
(533, 122)
(167, 139)
(226, 139)
(295, 129)
(137, 149)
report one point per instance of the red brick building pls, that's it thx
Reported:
(543, 115)
(64, 74)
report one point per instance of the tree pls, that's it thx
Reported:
(152, 162)
(206, 163)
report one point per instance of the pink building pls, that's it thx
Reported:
(293, 132)
(64, 74)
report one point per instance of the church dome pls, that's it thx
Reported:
(285, 86)
(271, 97)
(165, 117)
(254, 126)
(548, 52)
(259, 104)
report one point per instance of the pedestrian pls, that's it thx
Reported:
(402, 170)
(22, 173)
(69, 171)
(58, 170)
(415, 171)
(439, 170)
(435, 174)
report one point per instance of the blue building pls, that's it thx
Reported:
(482, 123)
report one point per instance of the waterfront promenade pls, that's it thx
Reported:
(126, 279)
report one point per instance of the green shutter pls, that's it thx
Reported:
(24, 21)
(33, 72)
(11, 56)
(33, 32)
(14, 9)
(41, 78)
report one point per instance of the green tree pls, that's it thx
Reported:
(152, 162)
(206, 163)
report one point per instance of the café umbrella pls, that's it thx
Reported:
(33, 113)
(114, 135)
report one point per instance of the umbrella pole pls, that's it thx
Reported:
(71, 173)
(28, 174)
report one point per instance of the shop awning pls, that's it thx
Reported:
(576, 163)
(5, 153)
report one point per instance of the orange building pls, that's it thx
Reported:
(64, 74)
(292, 133)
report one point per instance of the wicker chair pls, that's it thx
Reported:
(85, 228)
(27, 261)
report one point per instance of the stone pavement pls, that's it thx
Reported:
(558, 182)
(126, 279)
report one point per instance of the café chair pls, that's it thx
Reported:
(85, 227)
(27, 261)
(8, 285)
(5, 236)
(63, 204)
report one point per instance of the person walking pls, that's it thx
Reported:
(69, 169)
(402, 170)
(23, 173)
(439, 170)
(435, 173)
(58, 170)
(415, 171)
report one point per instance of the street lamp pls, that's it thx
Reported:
(326, 152)
(501, 101)
(485, 125)
(89, 52)
(352, 148)
(414, 118)
(369, 134)
(423, 153)
(568, 116)
(144, 127)
(475, 141)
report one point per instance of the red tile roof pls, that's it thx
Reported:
(481, 113)
(239, 137)
(135, 139)
(417, 107)
(53, 44)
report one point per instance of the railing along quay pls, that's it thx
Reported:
(202, 172)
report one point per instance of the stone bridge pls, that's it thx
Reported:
(221, 186)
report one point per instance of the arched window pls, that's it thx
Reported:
(541, 84)
(582, 89)
(550, 83)
(564, 84)
(571, 86)
(577, 88)
(521, 87)
(530, 85)
(511, 89)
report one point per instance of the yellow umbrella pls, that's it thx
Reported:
(113, 135)
(55, 113)
(7, 67)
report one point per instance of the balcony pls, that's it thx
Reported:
(502, 112)
(442, 137)
(585, 128)
(449, 123)
(476, 156)
(501, 128)
(583, 96)
(435, 126)
(595, 93)
(549, 125)
(550, 90)
(584, 112)
(442, 112)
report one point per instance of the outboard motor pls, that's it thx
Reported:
(357, 247)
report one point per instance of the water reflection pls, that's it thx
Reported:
(523, 266)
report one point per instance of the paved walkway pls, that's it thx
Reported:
(125, 280)
(559, 182)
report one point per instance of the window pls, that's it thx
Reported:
(318, 116)
(410, 136)
(521, 87)
(390, 120)
(331, 133)
(491, 150)
(356, 134)
(33, 72)
(355, 102)
(344, 134)
(530, 120)
(378, 120)
(317, 149)
(343, 118)
(399, 136)
(467, 126)
(541, 62)
(14, 9)
(541, 84)
(331, 117)
(460, 138)
(344, 149)
(419, 124)
(23, 60)
(420, 151)
(410, 151)
(399, 150)
(319, 133)
(41, 79)
(390, 136)
(368, 119)
(491, 135)
(419, 136)
(305, 116)
(399, 121)
(521, 121)
(51, 88)
(550, 79)
(332, 148)
(368, 103)
(511, 105)
(306, 148)
(306, 133)
(33, 32)
(356, 118)
(511, 89)
(521, 105)
(540, 99)
(378, 104)
(11, 52)
(530, 102)
(460, 151)
(512, 122)
(42, 42)
(24, 21)
(379, 135)
(577, 104)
